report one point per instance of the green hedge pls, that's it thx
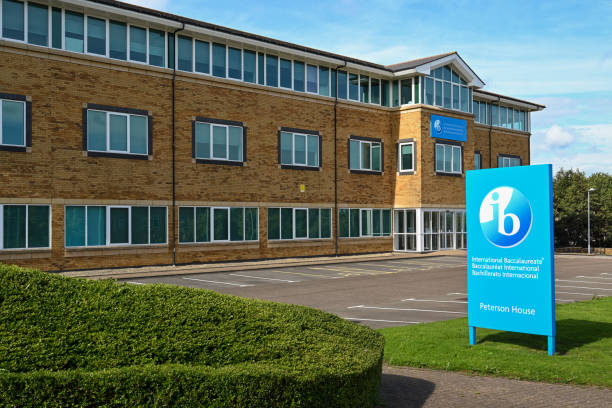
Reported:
(76, 343)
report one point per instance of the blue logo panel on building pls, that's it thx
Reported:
(443, 127)
(510, 249)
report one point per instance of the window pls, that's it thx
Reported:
(323, 81)
(445, 87)
(218, 60)
(157, 48)
(299, 223)
(364, 88)
(38, 24)
(14, 134)
(342, 84)
(406, 89)
(508, 161)
(96, 36)
(25, 226)
(218, 141)
(250, 66)
(95, 225)
(448, 158)
(138, 44)
(443, 229)
(406, 157)
(285, 73)
(299, 148)
(13, 20)
(74, 32)
(404, 232)
(261, 69)
(365, 154)
(311, 79)
(202, 57)
(477, 160)
(353, 87)
(375, 91)
(364, 222)
(117, 34)
(385, 95)
(234, 63)
(185, 53)
(118, 131)
(271, 70)
(298, 76)
(56, 28)
(395, 89)
(210, 224)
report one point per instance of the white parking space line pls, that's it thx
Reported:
(430, 300)
(311, 275)
(241, 285)
(350, 270)
(404, 310)
(604, 273)
(575, 293)
(260, 277)
(579, 281)
(377, 320)
(565, 300)
(135, 283)
(593, 277)
(456, 293)
(581, 287)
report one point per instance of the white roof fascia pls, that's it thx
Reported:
(507, 101)
(117, 12)
(457, 62)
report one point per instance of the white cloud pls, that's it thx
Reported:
(556, 136)
(588, 148)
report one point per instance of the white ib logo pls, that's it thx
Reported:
(505, 217)
(438, 126)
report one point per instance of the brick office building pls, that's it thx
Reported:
(134, 137)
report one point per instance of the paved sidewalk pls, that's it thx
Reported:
(406, 387)
(168, 270)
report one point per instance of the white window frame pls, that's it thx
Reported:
(85, 39)
(211, 225)
(290, 88)
(479, 155)
(371, 217)
(453, 147)
(295, 210)
(226, 158)
(128, 45)
(306, 145)
(129, 119)
(108, 226)
(399, 157)
(25, 122)
(306, 65)
(27, 219)
(371, 143)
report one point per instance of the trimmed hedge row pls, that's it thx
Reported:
(76, 343)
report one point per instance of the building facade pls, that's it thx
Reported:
(134, 137)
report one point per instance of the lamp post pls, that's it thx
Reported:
(589, 217)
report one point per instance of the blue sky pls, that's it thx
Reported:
(558, 53)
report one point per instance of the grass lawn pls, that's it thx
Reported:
(584, 347)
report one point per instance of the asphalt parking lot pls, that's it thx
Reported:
(387, 293)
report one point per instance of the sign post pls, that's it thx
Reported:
(510, 256)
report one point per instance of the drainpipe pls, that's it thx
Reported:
(336, 160)
(174, 148)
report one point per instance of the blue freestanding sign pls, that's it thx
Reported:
(510, 264)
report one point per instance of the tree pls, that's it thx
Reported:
(570, 208)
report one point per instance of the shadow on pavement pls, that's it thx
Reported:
(399, 391)
(571, 333)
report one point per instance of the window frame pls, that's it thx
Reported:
(299, 132)
(478, 154)
(293, 223)
(218, 122)
(107, 209)
(27, 218)
(118, 111)
(371, 141)
(370, 211)
(508, 157)
(453, 145)
(400, 169)
(211, 226)
(27, 124)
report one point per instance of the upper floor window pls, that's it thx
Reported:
(299, 148)
(25, 226)
(506, 160)
(119, 131)
(448, 158)
(406, 157)
(218, 141)
(446, 88)
(501, 116)
(365, 154)
(14, 122)
(477, 160)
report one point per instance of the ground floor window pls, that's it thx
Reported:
(25, 226)
(299, 223)
(429, 230)
(206, 224)
(96, 225)
(364, 222)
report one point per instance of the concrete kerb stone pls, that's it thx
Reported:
(169, 270)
